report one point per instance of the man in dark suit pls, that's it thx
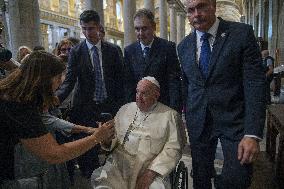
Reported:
(225, 95)
(96, 68)
(152, 56)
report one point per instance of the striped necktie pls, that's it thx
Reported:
(100, 90)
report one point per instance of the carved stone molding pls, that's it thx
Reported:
(54, 17)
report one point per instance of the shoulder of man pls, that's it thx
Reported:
(165, 42)
(183, 42)
(234, 24)
(79, 47)
(131, 47)
(109, 45)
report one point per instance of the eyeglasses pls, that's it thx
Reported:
(65, 49)
(203, 7)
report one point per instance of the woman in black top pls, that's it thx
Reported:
(22, 95)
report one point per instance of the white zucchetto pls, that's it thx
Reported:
(152, 80)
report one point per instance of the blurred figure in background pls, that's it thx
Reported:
(74, 40)
(7, 64)
(39, 48)
(23, 51)
(64, 47)
(268, 64)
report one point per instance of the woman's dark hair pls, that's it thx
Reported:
(32, 81)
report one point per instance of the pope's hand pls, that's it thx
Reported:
(146, 179)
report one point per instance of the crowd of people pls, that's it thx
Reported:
(55, 105)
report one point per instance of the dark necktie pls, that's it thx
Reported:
(205, 54)
(146, 52)
(100, 91)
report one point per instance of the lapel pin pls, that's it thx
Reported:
(223, 34)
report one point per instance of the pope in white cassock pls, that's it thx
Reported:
(147, 146)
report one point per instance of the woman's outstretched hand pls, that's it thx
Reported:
(105, 132)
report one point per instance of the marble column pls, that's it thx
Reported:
(260, 19)
(173, 24)
(24, 24)
(96, 5)
(54, 30)
(163, 16)
(129, 9)
(270, 25)
(149, 4)
(249, 12)
(180, 26)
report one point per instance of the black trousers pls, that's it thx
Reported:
(233, 176)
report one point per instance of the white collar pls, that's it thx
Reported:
(213, 30)
(143, 46)
(150, 109)
(90, 45)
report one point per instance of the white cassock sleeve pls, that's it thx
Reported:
(168, 158)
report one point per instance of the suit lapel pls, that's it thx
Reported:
(139, 54)
(191, 55)
(104, 55)
(221, 36)
(86, 56)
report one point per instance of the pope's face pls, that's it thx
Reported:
(146, 95)
(201, 13)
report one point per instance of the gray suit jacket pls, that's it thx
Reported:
(233, 96)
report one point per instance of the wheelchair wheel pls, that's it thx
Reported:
(180, 177)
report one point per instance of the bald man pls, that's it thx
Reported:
(147, 146)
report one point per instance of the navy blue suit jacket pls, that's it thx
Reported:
(233, 95)
(80, 69)
(162, 64)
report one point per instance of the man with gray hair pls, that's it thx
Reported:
(153, 56)
(147, 146)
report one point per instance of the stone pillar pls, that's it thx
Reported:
(272, 27)
(173, 24)
(163, 19)
(54, 30)
(129, 9)
(149, 4)
(180, 26)
(260, 19)
(249, 12)
(24, 24)
(96, 5)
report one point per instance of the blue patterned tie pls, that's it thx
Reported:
(205, 54)
(146, 52)
(100, 90)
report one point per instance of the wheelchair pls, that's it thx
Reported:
(179, 177)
